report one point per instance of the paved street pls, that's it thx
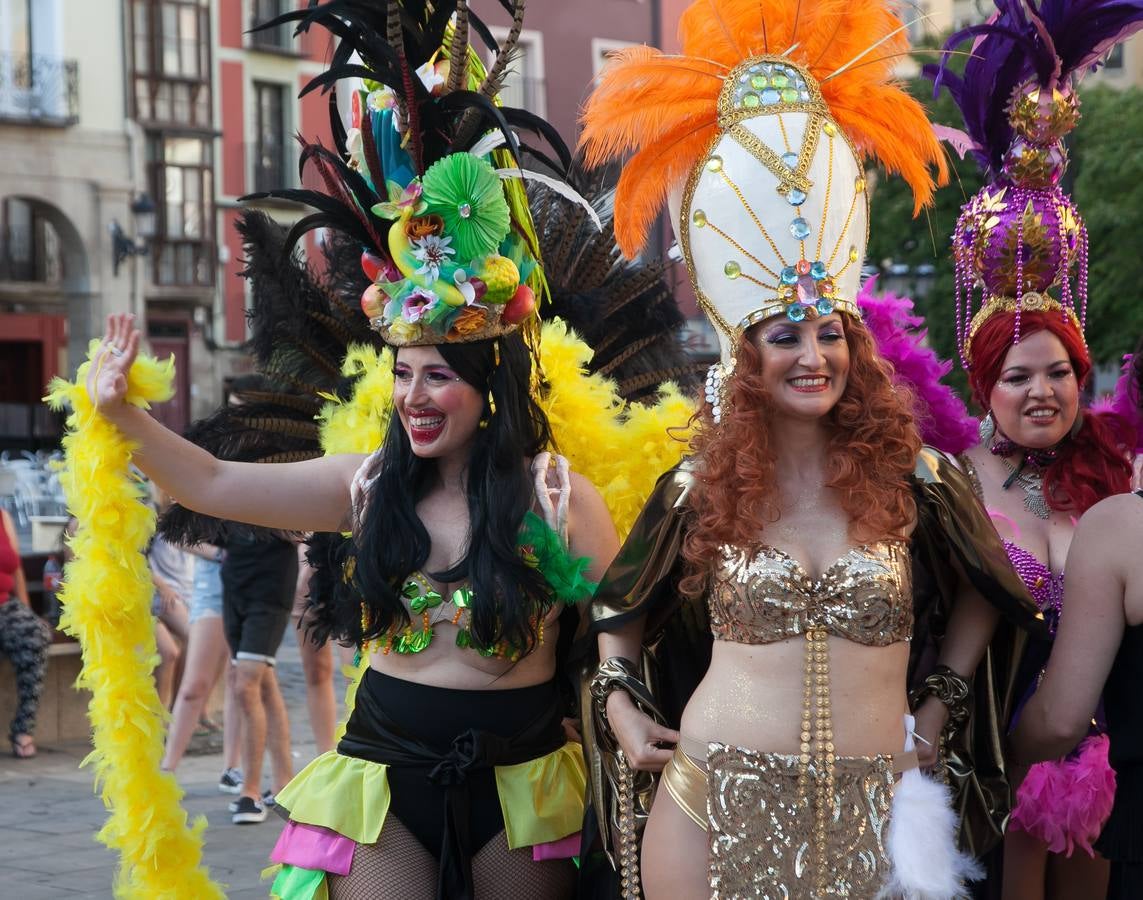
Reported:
(49, 815)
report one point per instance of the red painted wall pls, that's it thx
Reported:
(568, 29)
(230, 23)
(231, 92)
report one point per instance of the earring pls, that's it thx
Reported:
(987, 429)
(713, 391)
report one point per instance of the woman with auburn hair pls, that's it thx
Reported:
(811, 560)
(1021, 253)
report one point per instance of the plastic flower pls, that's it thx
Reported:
(472, 289)
(432, 252)
(466, 193)
(468, 321)
(401, 200)
(405, 331)
(432, 75)
(418, 304)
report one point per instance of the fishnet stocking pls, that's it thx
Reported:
(502, 874)
(398, 867)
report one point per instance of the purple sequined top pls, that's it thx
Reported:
(1045, 586)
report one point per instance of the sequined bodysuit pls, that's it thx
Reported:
(812, 823)
(865, 596)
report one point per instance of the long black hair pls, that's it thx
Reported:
(391, 542)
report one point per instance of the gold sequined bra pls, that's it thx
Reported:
(866, 596)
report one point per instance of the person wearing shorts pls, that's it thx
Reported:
(258, 581)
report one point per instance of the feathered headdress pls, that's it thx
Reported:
(428, 177)
(1021, 235)
(756, 134)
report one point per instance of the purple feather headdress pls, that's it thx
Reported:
(899, 333)
(1021, 236)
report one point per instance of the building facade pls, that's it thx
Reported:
(70, 173)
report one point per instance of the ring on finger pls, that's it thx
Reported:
(115, 351)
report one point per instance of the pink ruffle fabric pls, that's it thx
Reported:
(1065, 803)
(313, 847)
(564, 848)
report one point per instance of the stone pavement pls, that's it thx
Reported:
(49, 815)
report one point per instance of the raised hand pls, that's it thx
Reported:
(107, 377)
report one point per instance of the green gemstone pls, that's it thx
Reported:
(758, 82)
(789, 95)
(750, 100)
(699, 218)
(779, 80)
(732, 269)
(714, 164)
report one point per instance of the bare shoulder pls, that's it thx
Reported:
(1108, 535)
(1115, 518)
(585, 497)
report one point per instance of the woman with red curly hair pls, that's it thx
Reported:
(1042, 462)
(788, 583)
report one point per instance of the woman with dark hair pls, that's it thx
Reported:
(460, 523)
(1020, 245)
(1096, 660)
(470, 543)
(758, 630)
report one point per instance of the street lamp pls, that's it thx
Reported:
(122, 246)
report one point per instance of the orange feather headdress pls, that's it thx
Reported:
(766, 96)
(664, 107)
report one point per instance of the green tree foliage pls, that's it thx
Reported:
(1107, 185)
(1105, 178)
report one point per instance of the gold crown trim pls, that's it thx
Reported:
(1030, 301)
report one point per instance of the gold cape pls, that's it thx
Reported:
(952, 531)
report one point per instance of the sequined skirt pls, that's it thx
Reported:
(763, 837)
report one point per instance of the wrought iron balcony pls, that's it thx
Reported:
(39, 89)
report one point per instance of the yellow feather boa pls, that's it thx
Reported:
(106, 598)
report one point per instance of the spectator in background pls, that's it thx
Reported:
(317, 662)
(206, 659)
(24, 639)
(259, 578)
(173, 575)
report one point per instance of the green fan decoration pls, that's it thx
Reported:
(465, 192)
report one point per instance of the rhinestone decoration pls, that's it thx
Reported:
(796, 197)
(859, 185)
(465, 210)
(732, 269)
(795, 312)
(824, 306)
(829, 128)
(818, 270)
(769, 84)
(789, 275)
(699, 218)
(802, 266)
(714, 164)
(800, 229)
(789, 160)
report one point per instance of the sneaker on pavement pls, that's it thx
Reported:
(267, 801)
(230, 782)
(248, 811)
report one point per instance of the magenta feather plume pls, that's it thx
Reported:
(1124, 404)
(942, 418)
